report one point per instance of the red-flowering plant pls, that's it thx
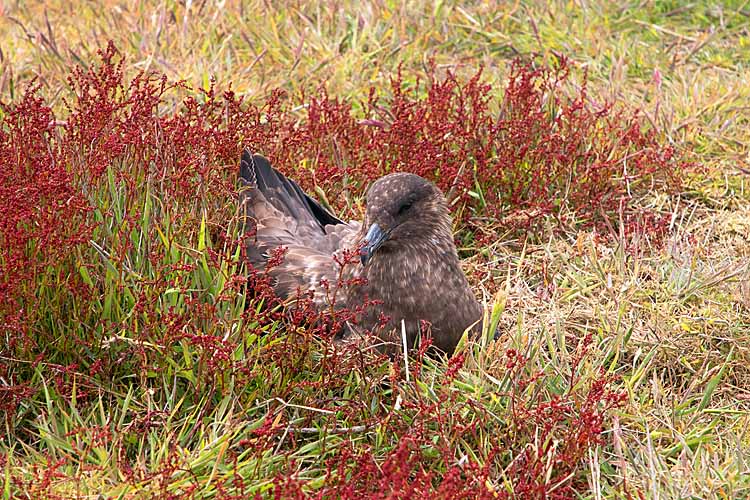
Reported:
(121, 270)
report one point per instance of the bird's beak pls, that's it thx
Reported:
(374, 239)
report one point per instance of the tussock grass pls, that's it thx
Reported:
(668, 318)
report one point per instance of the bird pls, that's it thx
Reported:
(407, 263)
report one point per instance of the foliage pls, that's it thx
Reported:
(140, 357)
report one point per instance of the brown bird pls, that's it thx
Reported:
(408, 257)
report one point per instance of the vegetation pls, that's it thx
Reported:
(595, 158)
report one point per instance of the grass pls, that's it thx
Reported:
(238, 403)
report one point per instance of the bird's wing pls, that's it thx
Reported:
(284, 216)
(283, 193)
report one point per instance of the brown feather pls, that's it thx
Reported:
(415, 273)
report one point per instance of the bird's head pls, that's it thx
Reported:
(404, 209)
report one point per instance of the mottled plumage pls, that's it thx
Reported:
(409, 259)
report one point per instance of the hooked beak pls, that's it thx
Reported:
(374, 239)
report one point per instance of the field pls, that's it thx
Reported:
(595, 155)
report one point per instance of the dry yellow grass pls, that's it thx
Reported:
(681, 312)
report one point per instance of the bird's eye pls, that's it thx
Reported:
(404, 208)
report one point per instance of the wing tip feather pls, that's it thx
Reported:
(247, 168)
